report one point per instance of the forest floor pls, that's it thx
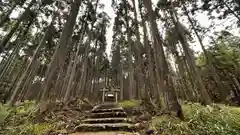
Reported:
(55, 118)
(105, 133)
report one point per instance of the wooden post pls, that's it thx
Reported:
(103, 96)
(116, 96)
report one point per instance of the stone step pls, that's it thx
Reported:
(105, 127)
(108, 114)
(107, 120)
(119, 109)
(106, 106)
(105, 133)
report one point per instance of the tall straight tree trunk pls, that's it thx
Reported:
(67, 73)
(93, 69)
(28, 82)
(158, 59)
(75, 61)
(204, 94)
(183, 77)
(141, 85)
(60, 51)
(73, 73)
(67, 76)
(31, 63)
(166, 81)
(8, 62)
(121, 82)
(16, 49)
(153, 84)
(8, 93)
(9, 59)
(130, 66)
(189, 73)
(6, 39)
(208, 58)
(83, 79)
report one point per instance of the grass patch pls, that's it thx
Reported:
(31, 129)
(19, 120)
(129, 103)
(201, 120)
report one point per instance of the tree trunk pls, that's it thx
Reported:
(73, 73)
(204, 94)
(130, 68)
(166, 81)
(31, 63)
(140, 84)
(85, 65)
(8, 93)
(121, 82)
(153, 82)
(29, 81)
(208, 58)
(60, 51)
(8, 61)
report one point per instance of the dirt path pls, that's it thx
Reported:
(105, 133)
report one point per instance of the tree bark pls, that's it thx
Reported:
(60, 51)
(208, 58)
(206, 100)
(31, 63)
(130, 68)
(166, 81)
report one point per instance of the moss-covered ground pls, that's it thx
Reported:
(217, 119)
(27, 119)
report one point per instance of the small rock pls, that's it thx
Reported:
(61, 125)
(142, 126)
(129, 111)
(149, 132)
(144, 117)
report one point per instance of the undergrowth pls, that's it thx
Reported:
(19, 120)
(129, 103)
(201, 120)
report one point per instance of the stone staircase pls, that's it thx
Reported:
(106, 117)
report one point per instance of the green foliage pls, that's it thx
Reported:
(33, 129)
(19, 120)
(4, 112)
(224, 55)
(200, 120)
(129, 103)
(26, 107)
